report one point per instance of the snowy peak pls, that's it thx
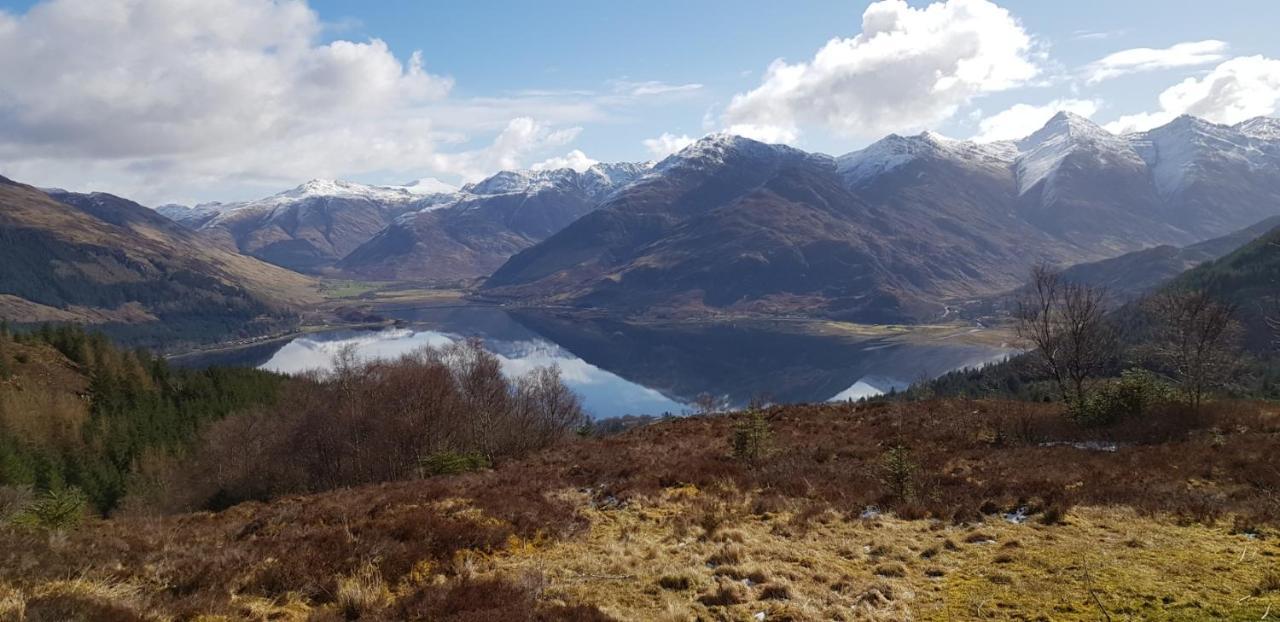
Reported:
(344, 190)
(429, 185)
(893, 151)
(597, 180)
(716, 150)
(1043, 152)
(1260, 128)
(1177, 151)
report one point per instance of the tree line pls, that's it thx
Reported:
(138, 434)
(432, 411)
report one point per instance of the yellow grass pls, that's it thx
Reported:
(836, 568)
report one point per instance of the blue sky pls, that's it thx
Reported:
(189, 100)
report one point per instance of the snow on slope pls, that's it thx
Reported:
(894, 151)
(1066, 133)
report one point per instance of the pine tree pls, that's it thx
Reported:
(751, 438)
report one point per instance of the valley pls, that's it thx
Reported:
(743, 381)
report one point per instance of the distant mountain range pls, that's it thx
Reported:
(472, 232)
(897, 232)
(892, 232)
(100, 259)
(309, 227)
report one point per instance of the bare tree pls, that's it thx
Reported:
(1197, 339)
(1066, 325)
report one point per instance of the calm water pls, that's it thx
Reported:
(621, 368)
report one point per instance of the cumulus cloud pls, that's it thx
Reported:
(907, 69)
(1124, 62)
(148, 77)
(1234, 91)
(666, 144)
(521, 137)
(160, 99)
(1021, 120)
(576, 160)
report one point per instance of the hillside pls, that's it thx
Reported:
(899, 231)
(1140, 272)
(105, 260)
(1249, 277)
(479, 227)
(307, 228)
(988, 511)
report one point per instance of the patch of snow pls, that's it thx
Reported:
(894, 151)
(1174, 152)
(429, 185)
(1043, 152)
(869, 386)
(1018, 516)
(1260, 128)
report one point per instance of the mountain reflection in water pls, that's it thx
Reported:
(622, 368)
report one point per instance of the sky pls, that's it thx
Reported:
(197, 100)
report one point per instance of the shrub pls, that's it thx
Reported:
(675, 583)
(55, 511)
(728, 593)
(1135, 394)
(897, 472)
(452, 463)
(891, 569)
(728, 555)
(751, 438)
(362, 592)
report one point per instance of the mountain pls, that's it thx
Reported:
(892, 232)
(101, 259)
(1134, 274)
(485, 223)
(1211, 178)
(1248, 277)
(311, 226)
(730, 223)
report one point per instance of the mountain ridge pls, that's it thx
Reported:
(975, 215)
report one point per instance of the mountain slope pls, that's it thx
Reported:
(888, 233)
(485, 223)
(1213, 178)
(1248, 277)
(100, 258)
(733, 224)
(1133, 274)
(309, 227)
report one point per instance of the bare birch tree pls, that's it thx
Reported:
(1066, 325)
(1197, 340)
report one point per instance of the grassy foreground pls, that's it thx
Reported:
(1175, 521)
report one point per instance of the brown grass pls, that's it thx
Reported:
(623, 522)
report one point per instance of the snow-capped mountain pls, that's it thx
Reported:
(471, 232)
(429, 185)
(888, 232)
(311, 226)
(894, 151)
(1042, 154)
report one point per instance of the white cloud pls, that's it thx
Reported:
(652, 87)
(1021, 120)
(909, 68)
(576, 160)
(168, 99)
(1124, 62)
(148, 77)
(1236, 90)
(666, 144)
(521, 137)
